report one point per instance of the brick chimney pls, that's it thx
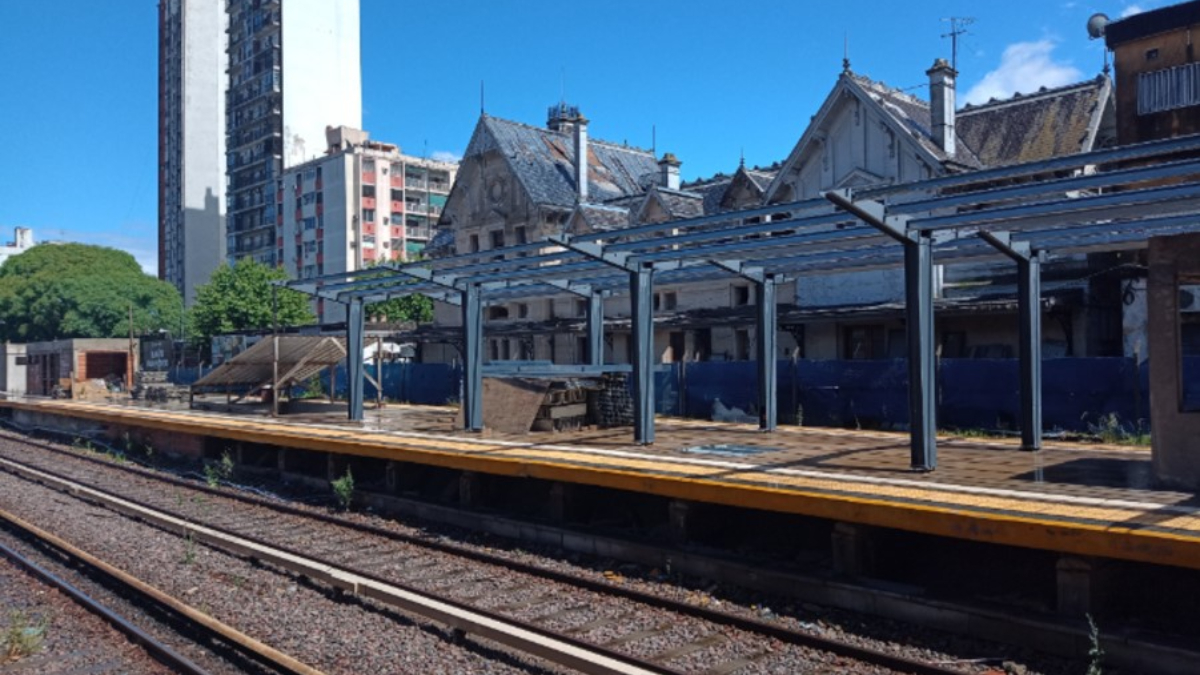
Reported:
(581, 157)
(668, 171)
(941, 104)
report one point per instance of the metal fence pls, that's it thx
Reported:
(1079, 393)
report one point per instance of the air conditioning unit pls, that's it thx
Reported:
(1189, 299)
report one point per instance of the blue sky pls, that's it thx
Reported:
(715, 79)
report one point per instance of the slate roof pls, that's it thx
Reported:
(543, 161)
(600, 218)
(913, 114)
(1026, 128)
(679, 203)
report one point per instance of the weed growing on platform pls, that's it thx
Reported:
(343, 489)
(22, 637)
(1095, 652)
(217, 472)
(1111, 430)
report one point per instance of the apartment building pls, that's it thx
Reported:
(228, 125)
(191, 142)
(272, 126)
(364, 202)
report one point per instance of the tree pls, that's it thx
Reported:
(416, 307)
(56, 291)
(240, 298)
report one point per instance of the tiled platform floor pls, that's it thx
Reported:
(1085, 500)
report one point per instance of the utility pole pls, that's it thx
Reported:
(132, 356)
(958, 26)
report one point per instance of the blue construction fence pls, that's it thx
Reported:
(972, 393)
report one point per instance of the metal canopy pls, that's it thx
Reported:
(1081, 203)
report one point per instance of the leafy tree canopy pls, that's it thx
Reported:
(56, 291)
(417, 308)
(240, 298)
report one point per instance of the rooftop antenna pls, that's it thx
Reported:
(742, 159)
(481, 109)
(562, 85)
(846, 52)
(958, 26)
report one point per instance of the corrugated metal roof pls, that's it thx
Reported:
(300, 357)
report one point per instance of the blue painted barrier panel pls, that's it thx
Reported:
(1191, 383)
(979, 394)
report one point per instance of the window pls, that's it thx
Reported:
(1168, 89)
(497, 238)
(581, 349)
(741, 296)
(581, 307)
(507, 350)
(497, 312)
(474, 244)
(368, 215)
(523, 311)
(863, 342)
(369, 191)
(519, 233)
(670, 301)
(742, 345)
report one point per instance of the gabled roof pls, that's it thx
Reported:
(542, 160)
(912, 114)
(597, 218)
(1048, 123)
(674, 203)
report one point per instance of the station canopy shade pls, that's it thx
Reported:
(300, 357)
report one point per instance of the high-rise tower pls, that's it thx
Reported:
(244, 90)
(294, 69)
(191, 142)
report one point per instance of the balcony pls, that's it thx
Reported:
(368, 202)
(419, 232)
(397, 181)
(368, 178)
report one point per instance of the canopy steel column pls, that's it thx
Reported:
(922, 366)
(766, 325)
(641, 291)
(767, 370)
(354, 357)
(472, 315)
(1029, 290)
(595, 329)
(918, 306)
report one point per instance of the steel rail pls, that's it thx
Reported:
(194, 617)
(522, 636)
(155, 647)
(773, 630)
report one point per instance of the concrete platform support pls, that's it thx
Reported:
(1174, 262)
(335, 466)
(678, 513)
(469, 489)
(1082, 585)
(561, 495)
(853, 553)
(391, 476)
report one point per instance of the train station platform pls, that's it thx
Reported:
(1072, 499)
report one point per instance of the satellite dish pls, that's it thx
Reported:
(1096, 25)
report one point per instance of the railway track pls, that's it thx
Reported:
(157, 614)
(578, 622)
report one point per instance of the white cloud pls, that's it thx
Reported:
(445, 156)
(1131, 10)
(1024, 67)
